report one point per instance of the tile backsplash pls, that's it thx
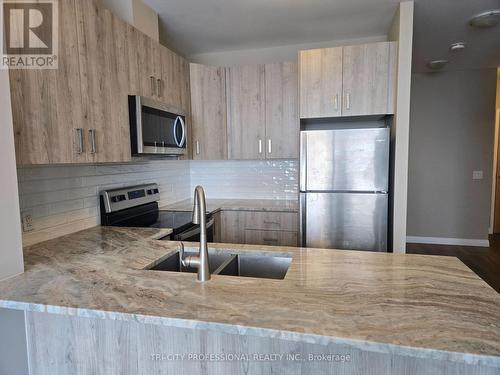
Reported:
(245, 179)
(64, 199)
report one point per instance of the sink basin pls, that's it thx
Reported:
(259, 266)
(173, 262)
(228, 264)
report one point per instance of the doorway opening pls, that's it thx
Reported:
(495, 191)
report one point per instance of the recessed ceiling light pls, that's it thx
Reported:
(437, 64)
(457, 46)
(486, 19)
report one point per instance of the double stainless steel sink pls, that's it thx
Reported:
(229, 264)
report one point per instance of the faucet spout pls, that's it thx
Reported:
(200, 217)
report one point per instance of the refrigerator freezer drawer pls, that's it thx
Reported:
(345, 160)
(352, 221)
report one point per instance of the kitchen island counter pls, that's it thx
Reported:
(415, 306)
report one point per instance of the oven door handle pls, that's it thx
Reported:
(182, 236)
(183, 127)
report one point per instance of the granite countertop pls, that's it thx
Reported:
(214, 205)
(416, 305)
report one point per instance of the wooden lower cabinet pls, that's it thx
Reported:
(259, 228)
(217, 227)
(270, 237)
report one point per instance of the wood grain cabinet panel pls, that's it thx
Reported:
(320, 81)
(104, 76)
(287, 221)
(259, 228)
(208, 108)
(270, 237)
(46, 104)
(282, 118)
(246, 112)
(232, 230)
(368, 79)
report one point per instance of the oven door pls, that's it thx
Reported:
(193, 234)
(156, 129)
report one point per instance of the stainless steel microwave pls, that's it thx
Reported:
(156, 128)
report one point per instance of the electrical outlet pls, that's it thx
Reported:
(477, 175)
(27, 222)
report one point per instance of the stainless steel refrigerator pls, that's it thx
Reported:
(344, 186)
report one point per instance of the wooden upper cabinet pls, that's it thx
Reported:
(320, 81)
(208, 112)
(347, 81)
(368, 78)
(103, 76)
(245, 91)
(46, 104)
(282, 123)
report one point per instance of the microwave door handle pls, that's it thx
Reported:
(183, 127)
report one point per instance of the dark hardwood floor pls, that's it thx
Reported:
(484, 261)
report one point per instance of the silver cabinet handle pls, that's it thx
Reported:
(270, 239)
(269, 146)
(303, 162)
(272, 223)
(348, 101)
(93, 148)
(336, 102)
(158, 87)
(152, 83)
(197, 147)
(260, 146)
(79, 141)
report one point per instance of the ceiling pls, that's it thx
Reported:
(202, 26)
(199, 26)
(438, 23)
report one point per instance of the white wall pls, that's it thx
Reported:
(272, 54)
(244, 179)
(136, 13)
(451, 135)
(64, 199)
(402, 32)
(11, 255)
(145, 19)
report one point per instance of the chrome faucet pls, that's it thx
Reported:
(199, 217)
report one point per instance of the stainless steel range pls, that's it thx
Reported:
(137, 206)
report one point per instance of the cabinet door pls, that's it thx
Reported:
(208, 111)
(282, 123)
(233, 230)
(246, 112)
(270, 238)
(47, 104)
(217, 227)
(367, 79)
(103, 78)
(145, 65)
(320, 82)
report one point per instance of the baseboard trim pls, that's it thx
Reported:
(448, 241)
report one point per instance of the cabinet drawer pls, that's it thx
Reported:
(287, 221)
(270, 237)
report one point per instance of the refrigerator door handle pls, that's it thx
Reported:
(303, 162)
(302, 220)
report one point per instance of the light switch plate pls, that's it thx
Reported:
(27, 221)
(477, 175)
